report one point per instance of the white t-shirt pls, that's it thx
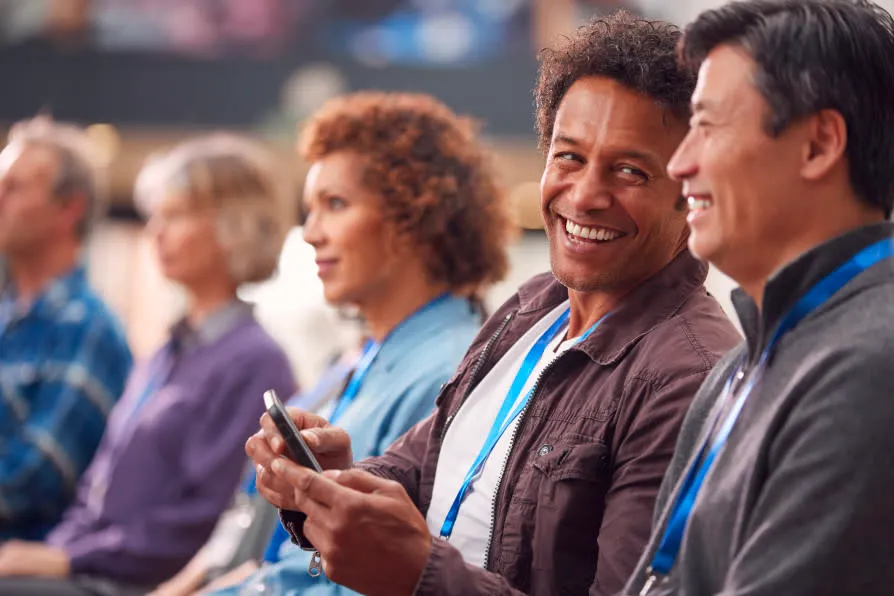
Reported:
(465, 438)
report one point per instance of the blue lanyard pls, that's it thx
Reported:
(669, 547)
(7, 309)
(370, 351)
(508, 413)
(158, 375)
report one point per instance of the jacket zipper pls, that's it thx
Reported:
(521, 419)
(475, 370)
(315, 567)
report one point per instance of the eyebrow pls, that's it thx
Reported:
(561, 138)
(634, 154)
(647, 158)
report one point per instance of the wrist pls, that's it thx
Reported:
(421, 572)
(62, 562)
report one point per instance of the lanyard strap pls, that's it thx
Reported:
(669, 547)
(371, 349)
(509, 411)
(159, 374)
(7, 310)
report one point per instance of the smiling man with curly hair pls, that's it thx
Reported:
(539, 469)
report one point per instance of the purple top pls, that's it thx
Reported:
(172, 454)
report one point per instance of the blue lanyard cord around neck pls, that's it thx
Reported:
(669, 547)
(158, 375)
(508, 412)
(370, 351)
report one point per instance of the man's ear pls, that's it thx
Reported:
(74, 206)
(827, 142)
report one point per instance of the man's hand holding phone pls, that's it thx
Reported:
(331, 446)
(368, 531)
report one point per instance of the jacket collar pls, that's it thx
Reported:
(644, 308)
(787, 285)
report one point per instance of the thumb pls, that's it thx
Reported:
(360, 481)
(328, 440)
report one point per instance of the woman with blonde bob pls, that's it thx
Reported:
(172, 454)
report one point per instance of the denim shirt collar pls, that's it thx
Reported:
(50, 303)
(213, 327)
(449, 311)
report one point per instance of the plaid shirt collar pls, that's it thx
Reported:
(50, 304)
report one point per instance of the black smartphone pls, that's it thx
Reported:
(296, 448)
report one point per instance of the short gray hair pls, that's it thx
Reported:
(77, 173)
(234, 177)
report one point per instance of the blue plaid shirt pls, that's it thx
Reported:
(63, 364)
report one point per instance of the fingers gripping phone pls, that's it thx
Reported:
(296, 448)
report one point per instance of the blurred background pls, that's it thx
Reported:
(144, 74)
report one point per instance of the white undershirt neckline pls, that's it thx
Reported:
(467, 434)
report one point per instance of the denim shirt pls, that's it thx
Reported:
(64, 360)
(398, 391)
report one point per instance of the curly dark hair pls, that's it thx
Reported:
(433, 176)
(639, 54)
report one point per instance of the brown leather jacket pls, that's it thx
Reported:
(574, 508)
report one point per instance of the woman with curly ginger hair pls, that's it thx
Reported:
(407, 171)
(408, 227)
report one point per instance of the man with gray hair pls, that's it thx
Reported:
(63, 355)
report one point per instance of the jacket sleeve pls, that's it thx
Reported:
(212, 460)
(823, 521)
(447, 574)
(649, 421)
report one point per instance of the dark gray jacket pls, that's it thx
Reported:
(801, 499)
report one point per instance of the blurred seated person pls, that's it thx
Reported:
(172, 455)
(249, 532)
(63, 355)
(408, 226)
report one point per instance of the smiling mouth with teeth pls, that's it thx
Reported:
(698, 203)
(579, 232)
